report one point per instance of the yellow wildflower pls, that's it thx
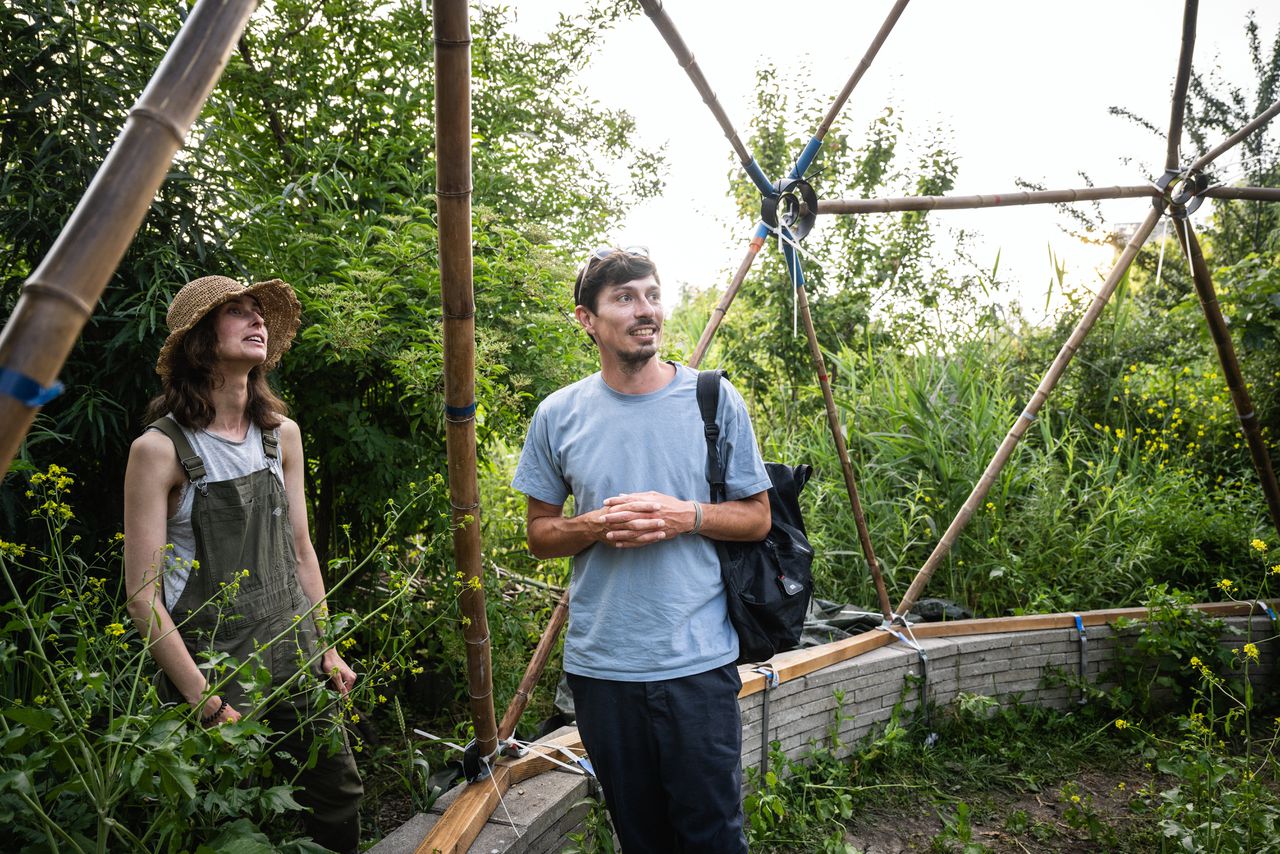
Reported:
(1258, 546)
(1226, 585)
(114, 630)
(1251, 652)
(1121, 723)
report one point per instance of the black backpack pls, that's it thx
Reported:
(768, 583)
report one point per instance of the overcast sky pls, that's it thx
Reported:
(1021, 87)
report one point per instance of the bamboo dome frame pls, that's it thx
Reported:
(58, 298)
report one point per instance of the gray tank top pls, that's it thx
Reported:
(223, 459)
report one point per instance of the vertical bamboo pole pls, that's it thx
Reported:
(453, 200)
(717, 315)
(1178, 108)
(1230, 368)
(58, 298)
(1029, 414)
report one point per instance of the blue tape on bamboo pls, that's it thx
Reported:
(459, 413)
(25, 390)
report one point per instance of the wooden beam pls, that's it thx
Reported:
(801, 662)
(991, 200)
(462, 822)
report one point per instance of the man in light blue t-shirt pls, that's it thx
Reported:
(649, 651)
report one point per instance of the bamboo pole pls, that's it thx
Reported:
(533, 672)
(1230, 142)
(722, 308)
(453, 200)
(685, 59)
(1020, 197)
(58, 298)
(1258, 194)
(1178, 108)
(876, 43)
(842, 451)
(1028, 415)
(1230, 368)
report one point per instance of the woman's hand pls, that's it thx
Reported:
(342, 676)
(221, 714)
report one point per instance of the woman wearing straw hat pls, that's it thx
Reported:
(218, 557)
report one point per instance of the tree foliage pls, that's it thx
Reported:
(314, 162)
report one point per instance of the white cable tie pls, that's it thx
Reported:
(428, 735)
(501, 800)
(558, 748)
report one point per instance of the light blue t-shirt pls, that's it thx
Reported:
(656, 612)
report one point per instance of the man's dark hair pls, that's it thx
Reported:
(610, 267)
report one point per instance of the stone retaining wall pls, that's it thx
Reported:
(1009, 667)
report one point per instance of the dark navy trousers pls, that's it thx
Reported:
(669, 756)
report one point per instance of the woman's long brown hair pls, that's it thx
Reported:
(188, 389)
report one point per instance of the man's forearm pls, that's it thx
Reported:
(559, 536)
(745, 520)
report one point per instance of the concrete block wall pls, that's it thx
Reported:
(1008, 667)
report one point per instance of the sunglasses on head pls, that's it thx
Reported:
(600, 253)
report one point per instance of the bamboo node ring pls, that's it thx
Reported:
(465, 315)
(163, 121)
(464, 508)
(41, 289)
(454, 194)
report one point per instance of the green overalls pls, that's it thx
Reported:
(243, 598)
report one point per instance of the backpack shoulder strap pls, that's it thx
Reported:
(708, 403)
(190, 460)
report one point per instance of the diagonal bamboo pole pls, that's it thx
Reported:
(58, 298)
(1230, 142)
(1018, 197)
(1230, 368)
(537, 664)
(876, 43)
(684, 57)
(1257, 194)
(1178, 108)
(722, 308)
(1028, 415)
(453, 201)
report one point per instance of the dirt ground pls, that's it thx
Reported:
(1031, 822)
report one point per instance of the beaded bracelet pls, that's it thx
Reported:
(205, 720)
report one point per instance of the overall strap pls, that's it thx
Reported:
(190, 460)
(271, 444)
(708, 403)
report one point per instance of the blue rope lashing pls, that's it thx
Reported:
(25, 390)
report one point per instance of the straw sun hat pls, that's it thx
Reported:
(281, 313)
